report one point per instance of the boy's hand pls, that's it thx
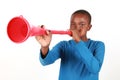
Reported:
(44, 40)
(76, 35)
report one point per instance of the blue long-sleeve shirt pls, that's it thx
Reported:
(79, 61)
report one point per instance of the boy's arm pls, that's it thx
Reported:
(50, 55)
(92, 62)
(44, 51)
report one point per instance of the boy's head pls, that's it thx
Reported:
(81, 21)
(84, 12)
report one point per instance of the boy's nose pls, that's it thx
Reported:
(78, 27)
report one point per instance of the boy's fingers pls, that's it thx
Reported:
(48, 32)
(42, 26)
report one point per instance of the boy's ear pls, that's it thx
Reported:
(89, 27)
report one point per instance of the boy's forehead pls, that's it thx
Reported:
(79, 16)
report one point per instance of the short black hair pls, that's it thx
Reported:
(82, 11)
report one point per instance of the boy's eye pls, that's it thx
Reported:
(82, 25)
(73, 24)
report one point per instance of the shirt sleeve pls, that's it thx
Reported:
(92, 62)
(52, 55)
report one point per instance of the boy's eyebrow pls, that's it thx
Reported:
(79, 22)
(82, 22)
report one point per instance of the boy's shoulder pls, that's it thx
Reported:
(97, 42)
(90, 41)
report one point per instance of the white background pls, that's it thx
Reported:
(21, 61)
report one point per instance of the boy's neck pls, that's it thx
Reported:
(84, 38)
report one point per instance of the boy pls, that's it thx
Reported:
(81, 57)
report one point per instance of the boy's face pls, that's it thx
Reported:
(80, 22)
